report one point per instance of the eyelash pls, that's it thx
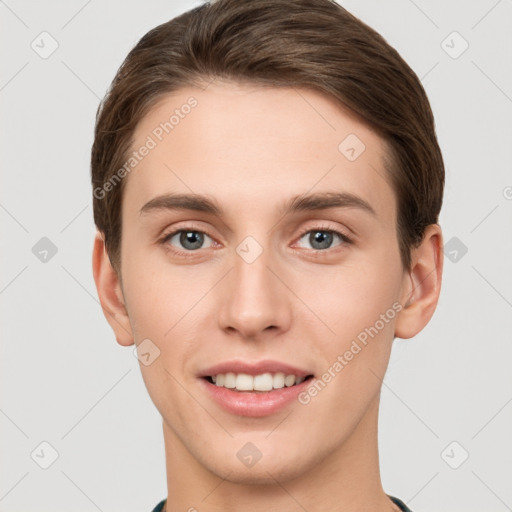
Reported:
(325, 229)
(165, 239)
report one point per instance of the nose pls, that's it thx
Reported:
(255, 299)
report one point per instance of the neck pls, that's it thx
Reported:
(347, 479)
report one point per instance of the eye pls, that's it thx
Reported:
(321, 239)
(189, 239)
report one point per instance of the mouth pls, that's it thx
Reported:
(254, 388)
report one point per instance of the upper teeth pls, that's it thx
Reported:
(262, 382)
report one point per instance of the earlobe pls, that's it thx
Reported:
(422, 284)
(110, 293)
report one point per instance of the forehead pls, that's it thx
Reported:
(258, 144)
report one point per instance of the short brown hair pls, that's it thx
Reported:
(314, 44)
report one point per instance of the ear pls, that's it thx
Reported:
(422, 284)
(110, 293)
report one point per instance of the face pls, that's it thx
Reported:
(281, 267)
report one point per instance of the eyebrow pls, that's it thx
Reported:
(309, 202)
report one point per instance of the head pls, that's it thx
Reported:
(254, 127)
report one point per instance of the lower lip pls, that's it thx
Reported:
(254, 403)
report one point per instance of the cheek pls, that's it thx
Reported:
(349, 299)
(358, 308)
(168, 304)
(154, 291)
(161, 310)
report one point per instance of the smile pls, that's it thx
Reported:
(263, 382)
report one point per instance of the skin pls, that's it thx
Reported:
(251, 149)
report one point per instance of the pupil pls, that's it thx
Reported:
(322, 237)
(192, 237)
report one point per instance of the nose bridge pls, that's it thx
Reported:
(255, 299)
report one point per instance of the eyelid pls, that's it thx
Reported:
(346, 238)
(190, 225)
(164, 238)
(187, 226)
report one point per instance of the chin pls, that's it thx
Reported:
(276, 468)
(261, 475)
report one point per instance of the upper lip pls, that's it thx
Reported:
(253, 368)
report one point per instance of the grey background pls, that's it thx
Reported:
(64, 379)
